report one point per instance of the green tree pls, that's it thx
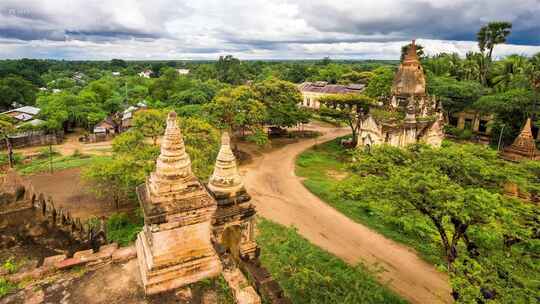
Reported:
(282, 100)
(237, 110)
(16, 90)
(455, 95)
(230, 70)
(347, 108)
(380, 84)
(488, 37)
(150, 123)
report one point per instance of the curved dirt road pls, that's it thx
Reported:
(280, 196)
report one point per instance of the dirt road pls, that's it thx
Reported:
(281, 197)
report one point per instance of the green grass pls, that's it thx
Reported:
(220, 286)
(309, 274)
(6, 287)
(122, 229)
(321, 164)
(39, 165)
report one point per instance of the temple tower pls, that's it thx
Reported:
(413, 116)
(234, 220)
(523, 147)
(175, 249)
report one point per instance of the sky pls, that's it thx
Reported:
(256, 29)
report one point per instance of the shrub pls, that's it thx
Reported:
(123, 230)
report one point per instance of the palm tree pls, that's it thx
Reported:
(510, 71)
(6, 128)
(490, 35)
(472, 66)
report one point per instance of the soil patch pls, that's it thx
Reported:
(69, 192)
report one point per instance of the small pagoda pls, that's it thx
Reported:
(175, 247)
(409, 116)
(523, 147)
(234, 220)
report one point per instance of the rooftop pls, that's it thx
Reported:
(325, 88)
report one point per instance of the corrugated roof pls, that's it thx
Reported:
(322, 87)
(26, 109)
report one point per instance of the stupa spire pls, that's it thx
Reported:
(524, 146)
(225, 179)
(173, 165)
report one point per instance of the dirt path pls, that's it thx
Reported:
(281, 197)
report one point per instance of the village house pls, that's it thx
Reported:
(106, 126)
(146, 73)
(409, 116)
(182, 71)
(129, 113)
(313, 91)
(22, 114)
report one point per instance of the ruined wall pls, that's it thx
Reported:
(35, 139)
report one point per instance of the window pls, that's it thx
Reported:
(453, 121)
(482, 126)
(468, 124)
(308, 101)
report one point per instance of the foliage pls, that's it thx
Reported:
(446, 203)
(379, 85)
(346, 108)
(202, 144)
(16, 90)
(461, 134)
(150, 123)
(122, 229)
(237, 110)
(282, 100)
(6, 287)
(310, 275)
(455, 95)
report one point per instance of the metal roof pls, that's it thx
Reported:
(322, 87)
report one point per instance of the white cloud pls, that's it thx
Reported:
(256, 29)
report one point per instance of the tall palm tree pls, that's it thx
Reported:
(488, 36)
(472, 67)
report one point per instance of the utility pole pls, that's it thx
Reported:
(50, 158)
(500, 139)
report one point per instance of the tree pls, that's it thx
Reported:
(511, 73)
(455, 95)
(282, 100)
(118, 63)
(380, 84)
(347, 108)
(7, 128)
(230, 70)
(237, 110)
(150, 123)
(488, 37)
(16, 90)
(492, 34)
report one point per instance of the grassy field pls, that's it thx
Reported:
(309, 274)
(323, 168)
(43, 164)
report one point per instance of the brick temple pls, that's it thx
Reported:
(523, 147)
(410, 115)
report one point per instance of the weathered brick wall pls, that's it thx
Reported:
(35, 139)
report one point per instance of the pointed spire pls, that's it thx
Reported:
(225, 179)
(523, 147)
(173, 164)
(411, 57)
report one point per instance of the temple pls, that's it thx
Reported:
(523, 147)
(409, 116)
(175, 247)
(234, 220)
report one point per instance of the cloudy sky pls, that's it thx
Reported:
(256, 29)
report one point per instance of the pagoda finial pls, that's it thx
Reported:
(225, 179)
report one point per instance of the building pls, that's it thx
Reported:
(523, 147)
(106, 126)
(183, 71)
(146, 73)
(409, 116)
(313, 91)
(472, 120)
(116, 73)
(129, 113)
(22, 114)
